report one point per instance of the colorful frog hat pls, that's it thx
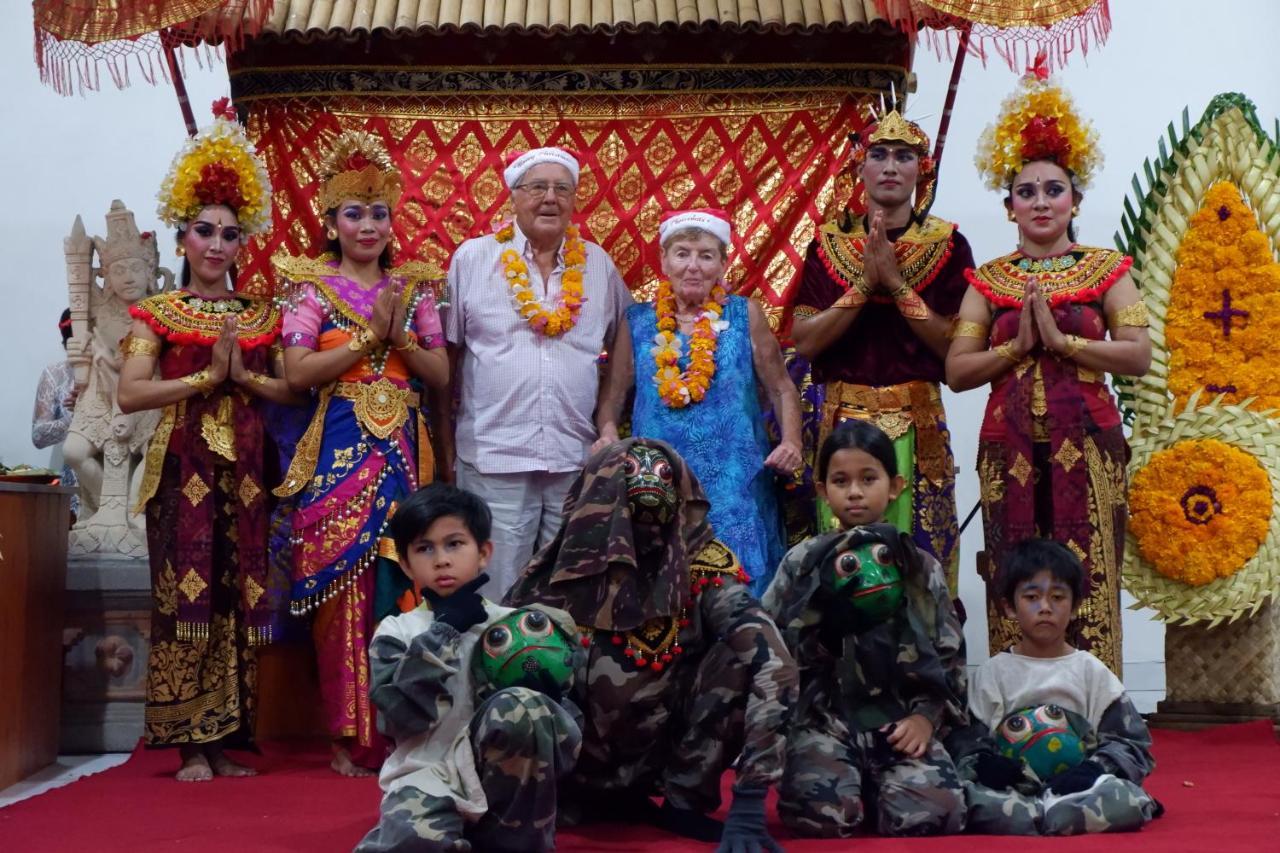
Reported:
(526, 648)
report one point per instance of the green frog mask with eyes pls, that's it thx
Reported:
(1042, 738)
(525, 649)
(866, 571)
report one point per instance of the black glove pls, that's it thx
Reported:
(1078, 778)
(744, 828)
(839, 619)
(998, 772)
(547, 686)
(462, 609)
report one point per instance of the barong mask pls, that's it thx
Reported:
(595, 569)
(526, 649)
(1042, 738)
(650, 492)
(865, 572)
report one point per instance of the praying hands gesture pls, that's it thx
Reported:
(386, 306)
(879, 263)
(225, 348)
(1028, 326)
(1046, 328)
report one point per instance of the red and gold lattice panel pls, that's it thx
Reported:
(776, 161)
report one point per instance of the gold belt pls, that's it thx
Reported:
(382, 406)
(895, 409)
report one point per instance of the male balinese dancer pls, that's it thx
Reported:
(531, 308)
(873, 314)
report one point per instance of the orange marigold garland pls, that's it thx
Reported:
(1199, 510)
(679, 389)
(1223, 322)
(557, 321)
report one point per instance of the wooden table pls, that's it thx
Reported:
(33, 570)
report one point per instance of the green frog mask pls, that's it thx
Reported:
(525, 649)
(1042, 738)
(868, 574)
(651, 488)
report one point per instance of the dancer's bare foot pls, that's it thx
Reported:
(224, 766)
(195, 767)
(344, 766)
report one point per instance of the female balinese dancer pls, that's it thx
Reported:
(1035, 324)
(366, 337)
(205, 492)
(700, 355)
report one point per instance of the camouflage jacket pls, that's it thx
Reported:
(632, 713)
(914, 663)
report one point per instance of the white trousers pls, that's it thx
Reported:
(527, 508)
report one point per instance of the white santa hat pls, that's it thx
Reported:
(522, 161)
(712, 220)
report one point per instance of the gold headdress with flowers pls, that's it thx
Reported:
(893, 127)
(219, 165)
(359, 167)
(1038, 122)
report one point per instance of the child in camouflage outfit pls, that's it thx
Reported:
(1056, 747)
(475, 762)
(870, 623)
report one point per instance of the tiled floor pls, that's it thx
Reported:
(67, 769)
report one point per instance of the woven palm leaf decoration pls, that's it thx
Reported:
(1203, 545)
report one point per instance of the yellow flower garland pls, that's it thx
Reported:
(1199, 510)
(555, 322)
(679, 389)
(1236, 351)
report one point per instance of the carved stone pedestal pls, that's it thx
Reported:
(106, 641)
(1227, 674)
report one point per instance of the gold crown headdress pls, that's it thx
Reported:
(1038, 122)
(358, 167)
(219, 165)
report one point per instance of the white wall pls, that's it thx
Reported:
(64, 156)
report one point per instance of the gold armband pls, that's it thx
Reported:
(134, 346)
(201, 381)
(410, 344)
(258, 378)
(1132, 315)
(910, 305)
(1075, 343)
(969, 329)
(852, 298)
(1006, 350)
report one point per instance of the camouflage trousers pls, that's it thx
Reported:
(523, 743)
(830, 774)
(679, 751)
(1111, 805)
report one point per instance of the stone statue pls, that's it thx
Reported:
(105, 446)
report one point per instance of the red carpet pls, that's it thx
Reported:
(1221, 789)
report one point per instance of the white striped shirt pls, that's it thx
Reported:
(527, 402)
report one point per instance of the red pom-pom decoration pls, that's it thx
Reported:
(616, 639)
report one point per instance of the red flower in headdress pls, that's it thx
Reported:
(219, 184)
(357, 161)
(223, 108)
(1042, 140)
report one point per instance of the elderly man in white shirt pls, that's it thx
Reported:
(532, 306)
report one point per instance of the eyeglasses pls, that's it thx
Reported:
(539, 188)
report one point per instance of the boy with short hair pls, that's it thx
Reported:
(1059, 749)
(477, 755)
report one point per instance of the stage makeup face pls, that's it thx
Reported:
(212, 241)
(1041, 199)
(544, 201)
(889, 173)
(363, 229)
